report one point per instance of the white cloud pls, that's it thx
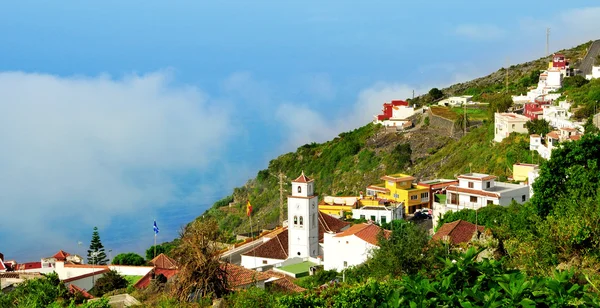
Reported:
(76, 151)
(305, 125)
(479, 31)
(321, 87)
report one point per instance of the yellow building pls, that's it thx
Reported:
(400, 188)
(336, 206)
(521, 171)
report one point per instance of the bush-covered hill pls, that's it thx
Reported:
(355, 159)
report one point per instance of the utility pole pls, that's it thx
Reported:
(413, 97)
(547, 41)
(506, 77)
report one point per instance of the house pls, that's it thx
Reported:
(534, 110)
(3, 267)
(378, 214)
(544, 146)
(456, 100)
(437, 187)
(351, 247)
(507, 123)
(85, 281)
(596, 120)
(521, 172)
(399, 188)
(9, 280)
(337, 206)
(301, 240)
(457, 232)
(476, 190)
(163, 261)
(595, 73)
(394, 113)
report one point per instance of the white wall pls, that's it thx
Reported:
(349, 249)
(128, 270)
(402, 112)
(391, 214)
(256, 262)
(85, 283)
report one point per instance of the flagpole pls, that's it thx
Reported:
(252, 235)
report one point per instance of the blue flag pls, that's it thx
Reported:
(155, 228)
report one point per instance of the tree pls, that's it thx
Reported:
(435, 94)
(201, 272)
(129, 258)
(538, 126)
(96, 254)
(165, 248)
(576, 81)
(110, 281)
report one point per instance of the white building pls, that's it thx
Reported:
(351, 247)
(303, 226)
(595, 73)
(476, 190)
(378, 214)
(507, 123)
(456, 100)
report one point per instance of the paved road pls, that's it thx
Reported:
(590, 58)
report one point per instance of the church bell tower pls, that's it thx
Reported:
(303, 216)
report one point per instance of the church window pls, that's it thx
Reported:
(301, 221)
(295, 220)
(298, 253)
(299, 189)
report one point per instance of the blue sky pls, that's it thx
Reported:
(114, 113)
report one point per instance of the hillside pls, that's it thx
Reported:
(355, 159)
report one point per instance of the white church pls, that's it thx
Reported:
(312, 237)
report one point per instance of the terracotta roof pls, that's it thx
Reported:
(302, 179)
(145, 281)
(162, 261)
(459, 231)
(553, 135)
(397, 179)
(277, 247)
(96, 273)
(534, 135)
(61, 255)
(568, 129)
(576, 137)
(365, 231)
(472, 191)
(238, 276)
(284, 284)
(377, 188)
(73, 289)
(28, 266)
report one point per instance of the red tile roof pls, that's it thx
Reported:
(73, 289)
(284, 284)
(96, 273)
(277, 248)
(576, 137)
(365, 231)
(145, 281)
(238, 276)
(28, 266)
(459, 231)
(61, 255)
(302, 179)
(553, 135)
(399, 103)
(162, 261)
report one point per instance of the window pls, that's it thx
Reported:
(346, 242)
(523, 125)
(345, 263)
(425, 195)
(489, 202)
(523, 198)
(264, 261)
(299, 189)
(471, 185)
(362, 217)
(301, 221)
(373, 217)
(383, 219)
(472, 199)
(488, 184)
(414, 197)
(295, 220)
(513, 126)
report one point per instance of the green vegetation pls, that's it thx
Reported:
(96, 254)
(476, 113)
(165, 248)
(129, 258)
(110, 281)
(131, 280)
(538, 126)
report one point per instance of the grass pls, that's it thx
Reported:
(444, 112)
(131, 280)
(473, 113)
(298, 269)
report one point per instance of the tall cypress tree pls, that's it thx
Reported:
(96, 253)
